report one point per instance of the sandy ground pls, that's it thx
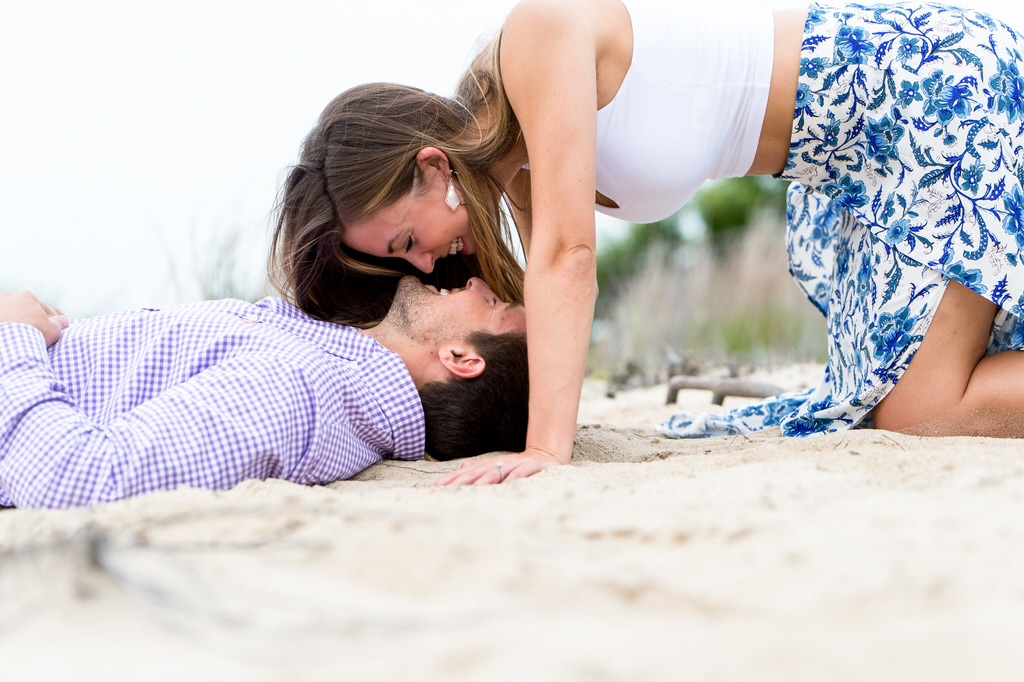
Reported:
(859, 556)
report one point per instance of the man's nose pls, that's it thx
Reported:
(480, 286)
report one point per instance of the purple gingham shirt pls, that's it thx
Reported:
(207, 395)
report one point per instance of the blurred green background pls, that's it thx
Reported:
(710, 284)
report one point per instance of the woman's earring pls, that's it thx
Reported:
(451, 197)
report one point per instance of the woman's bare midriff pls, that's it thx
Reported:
(773, 146)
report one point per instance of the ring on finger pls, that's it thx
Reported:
(501, 471)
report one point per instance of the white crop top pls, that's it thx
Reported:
(690, 108)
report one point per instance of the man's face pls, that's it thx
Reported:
(427, 315)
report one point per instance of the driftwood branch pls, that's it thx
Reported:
(720, 388)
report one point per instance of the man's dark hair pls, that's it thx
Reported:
(488, 413)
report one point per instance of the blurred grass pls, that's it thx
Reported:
(197, 264)
(723, 301)
(229, 263)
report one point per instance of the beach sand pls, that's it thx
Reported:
(864, 555)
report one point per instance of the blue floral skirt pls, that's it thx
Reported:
(907, 158)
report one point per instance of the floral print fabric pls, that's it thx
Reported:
(907, 158)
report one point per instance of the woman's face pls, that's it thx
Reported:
(419, 227)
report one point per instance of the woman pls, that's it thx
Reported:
(373, 147)
(902, 124)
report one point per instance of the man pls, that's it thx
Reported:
(213, 393)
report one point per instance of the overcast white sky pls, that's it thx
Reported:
(133, 135)
(136, 135)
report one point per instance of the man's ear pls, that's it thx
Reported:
(461, 359)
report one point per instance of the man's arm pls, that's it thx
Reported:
(254, 419)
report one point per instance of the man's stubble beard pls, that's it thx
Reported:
(408, 310)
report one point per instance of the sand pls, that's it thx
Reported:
(860, 556)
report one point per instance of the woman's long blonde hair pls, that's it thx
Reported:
(481, 92)
(360, 157)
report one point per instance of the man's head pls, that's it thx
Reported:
(485, 413)
(466, 353)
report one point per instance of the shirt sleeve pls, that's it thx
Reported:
(257, 417)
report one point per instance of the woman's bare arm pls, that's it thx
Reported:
(549, 55)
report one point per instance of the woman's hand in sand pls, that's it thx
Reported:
(24, 308)
(497, 469)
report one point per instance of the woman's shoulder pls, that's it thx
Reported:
(555, 36)
(547, 15)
